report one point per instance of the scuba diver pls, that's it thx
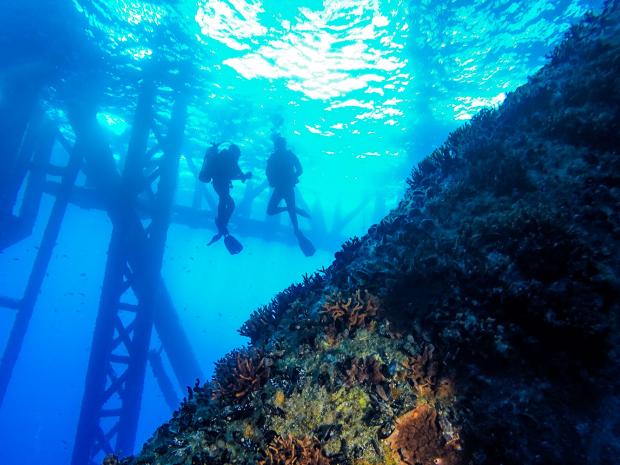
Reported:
(221, 167)
(283, 171)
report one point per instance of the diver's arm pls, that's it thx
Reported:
(240, 175)
(298, 168)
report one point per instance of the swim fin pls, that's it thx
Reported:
(303, 213)
(232, 245)
(214, 239)
(305, 245)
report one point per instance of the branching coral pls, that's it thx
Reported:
(266, 318)
(111, 459)
(445, 159)
(368, 370)
(349, 248)
(261, 320)
(352, 313)
(239, 373)
(293, 451)
(264, 321)
(419, 439)
(421, 370)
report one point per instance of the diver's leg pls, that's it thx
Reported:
(289, 198)
(274, 201)
(229, 207)
(221, 220)
(303, 213)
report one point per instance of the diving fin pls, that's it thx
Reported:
(215, 238)
(232, 245)
(305, 245)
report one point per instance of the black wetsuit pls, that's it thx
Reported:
(283, 171)
(221, 168)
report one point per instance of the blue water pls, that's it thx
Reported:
(361, 89)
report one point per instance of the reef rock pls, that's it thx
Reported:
(476, 324)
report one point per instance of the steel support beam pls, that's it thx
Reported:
(191, 217)
(37, 275)
(9, 302)
(120, 350)
(29, 168)
(164, 382)
(146, 271)
(20, 96)
(118, 357)
(37, 171)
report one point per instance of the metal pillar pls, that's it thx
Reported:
(30, 168)
(37, 170)
(165, 385)
(25, 306)
(20, 97)
(37, 148)
(123, 328)
(115, 378)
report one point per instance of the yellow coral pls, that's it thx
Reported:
(248, 431)
(350, 398)
(446, 390)
(424, 393)
(388, 455)
(279, 398)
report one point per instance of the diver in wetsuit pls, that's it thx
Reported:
(283, 171)
(221, 167)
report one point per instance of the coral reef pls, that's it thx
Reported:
(477, 323)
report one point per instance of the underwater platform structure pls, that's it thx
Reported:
(477, 322)
(140, 204)
(134, 299)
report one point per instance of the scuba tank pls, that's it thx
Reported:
(206, 171)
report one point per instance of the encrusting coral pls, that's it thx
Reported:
(294, 451)
(477, 323)
(419, 439)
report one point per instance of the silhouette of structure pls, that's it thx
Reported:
(134, 300)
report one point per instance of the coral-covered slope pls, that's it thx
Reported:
(477, 323)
